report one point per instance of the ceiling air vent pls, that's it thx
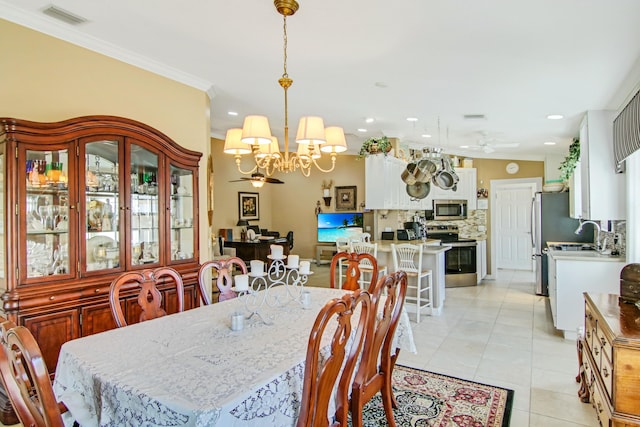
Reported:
(474, 117)
(63, 15)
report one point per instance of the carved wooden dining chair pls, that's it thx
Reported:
(376, 367)
(224, 281)
(322, 373)
(26, 378)
(353, 261)
(149, 298)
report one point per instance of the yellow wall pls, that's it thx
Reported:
(45, 79)
(489, 169)
(283, 207)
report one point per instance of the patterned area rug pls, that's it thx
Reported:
(426, 399)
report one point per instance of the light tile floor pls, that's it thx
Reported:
(501, 333)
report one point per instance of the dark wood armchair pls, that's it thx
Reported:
(320, 374)
(224, 281)
(149, 298)
(26, 378)
(376, 367)
(353, 273)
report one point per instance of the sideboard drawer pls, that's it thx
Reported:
(600, 403)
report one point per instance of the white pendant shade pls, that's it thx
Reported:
(304, 153)
(335, 140)
(233, 144)
(256, 130)
(311, 131)
(270, 150)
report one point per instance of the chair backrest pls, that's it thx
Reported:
(353, 272)
(26, 378)
(407, 257)
(149, 298)
(224, 281)
(321, 374)
(366, 237)
(290, 239)
(376, 354)
(365, 248)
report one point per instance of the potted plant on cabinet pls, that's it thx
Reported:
(375, 146)
(569, 163)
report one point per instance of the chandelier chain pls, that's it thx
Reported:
(284, 37)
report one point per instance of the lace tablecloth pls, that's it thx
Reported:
(191, 369)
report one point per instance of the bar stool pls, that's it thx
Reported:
(408, 258)
(365, 265)
(342, 245)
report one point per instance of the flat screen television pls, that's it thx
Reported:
(332, 226)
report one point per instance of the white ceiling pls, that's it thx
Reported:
(514, 61)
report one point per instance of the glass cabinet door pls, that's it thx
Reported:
(47, 215)
(181, 211)
(102, 205)
(145, 220)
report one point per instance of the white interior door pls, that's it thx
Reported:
(513, 226)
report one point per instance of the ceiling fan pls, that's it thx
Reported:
(258, 180)
(489, 145)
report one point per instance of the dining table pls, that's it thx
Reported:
(192, 369)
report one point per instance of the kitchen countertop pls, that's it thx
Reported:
(581, 255)
(430, 246)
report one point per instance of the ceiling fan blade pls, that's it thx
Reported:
(264, 179)
(506, 145)
(273, 181)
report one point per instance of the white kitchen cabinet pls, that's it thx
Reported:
(603, 190)
(569, 277)
(384, 188)
(481, 260)
(575, 193)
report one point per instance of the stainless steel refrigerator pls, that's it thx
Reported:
(550, 222)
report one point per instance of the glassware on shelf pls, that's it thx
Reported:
(52, 215)
(42, 212)
(136, 252)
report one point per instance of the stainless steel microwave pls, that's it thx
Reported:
(449, 209)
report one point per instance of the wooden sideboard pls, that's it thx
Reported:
(610, 360)
(248, 251)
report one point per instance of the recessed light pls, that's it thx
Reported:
(549, 143)
(426, 135)
(370, 120)
(412, 119)
(232, 113)
(464, 146)
(555, 117)
(362, 130)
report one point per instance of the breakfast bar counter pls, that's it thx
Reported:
(432, 258)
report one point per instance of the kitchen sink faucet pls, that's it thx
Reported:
(599, 248)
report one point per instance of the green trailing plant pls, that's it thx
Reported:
(569, 163)
(374, 146)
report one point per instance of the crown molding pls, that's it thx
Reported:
(67, 33)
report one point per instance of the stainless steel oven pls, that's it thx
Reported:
(460, 261)
(449, 209)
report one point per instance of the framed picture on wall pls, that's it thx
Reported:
(346, 198)
(248, 206)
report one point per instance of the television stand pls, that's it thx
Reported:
(325, 247)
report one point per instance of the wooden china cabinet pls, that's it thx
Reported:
(84, 200)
